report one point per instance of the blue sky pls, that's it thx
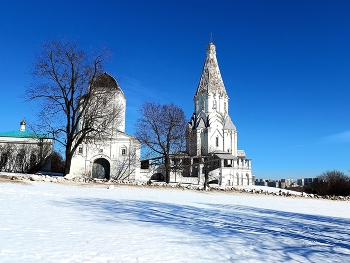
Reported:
(285, 65)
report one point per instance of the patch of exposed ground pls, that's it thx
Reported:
(12, 180)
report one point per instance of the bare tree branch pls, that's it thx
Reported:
(73, 108)
(161, 129)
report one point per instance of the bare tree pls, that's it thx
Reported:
(36, 158)
(125, 167)
(74, 106)
(161, 129)
(24, 157)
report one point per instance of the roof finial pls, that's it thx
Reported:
(211, 38)
(22, 125)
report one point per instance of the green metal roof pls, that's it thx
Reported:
(22, 134)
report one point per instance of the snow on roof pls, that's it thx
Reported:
(229, 124)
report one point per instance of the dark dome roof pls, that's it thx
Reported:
(106, 81)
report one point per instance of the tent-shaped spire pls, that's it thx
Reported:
(211, 80)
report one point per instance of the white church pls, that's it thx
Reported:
(116, 156)
(211, 147)
(211, 137)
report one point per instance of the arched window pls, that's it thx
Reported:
(217, 141)
(123, 150)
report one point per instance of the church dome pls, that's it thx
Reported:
(106, 81)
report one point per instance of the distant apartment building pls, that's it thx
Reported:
(262, 182)
(300, 182)
(273, 183)
(306, 181)
(283, 183)
(286, 183)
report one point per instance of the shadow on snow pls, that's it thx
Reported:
(230, 227)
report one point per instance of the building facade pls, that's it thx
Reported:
(113, 156)
(24, 151)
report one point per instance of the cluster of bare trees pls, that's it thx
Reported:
(331, 183)
(24, 158)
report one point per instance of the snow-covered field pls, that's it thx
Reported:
(47, 222)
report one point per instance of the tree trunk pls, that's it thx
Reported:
(205, 178)
(68, 163)
(167, 169)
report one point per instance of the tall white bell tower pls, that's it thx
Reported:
(210, 128)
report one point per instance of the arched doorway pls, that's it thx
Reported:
(101, 169)
(215, 181)
(158, 177)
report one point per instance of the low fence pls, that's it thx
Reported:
(188, 180)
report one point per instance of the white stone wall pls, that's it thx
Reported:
(29, 146)
(238, 173)
(113, 150)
